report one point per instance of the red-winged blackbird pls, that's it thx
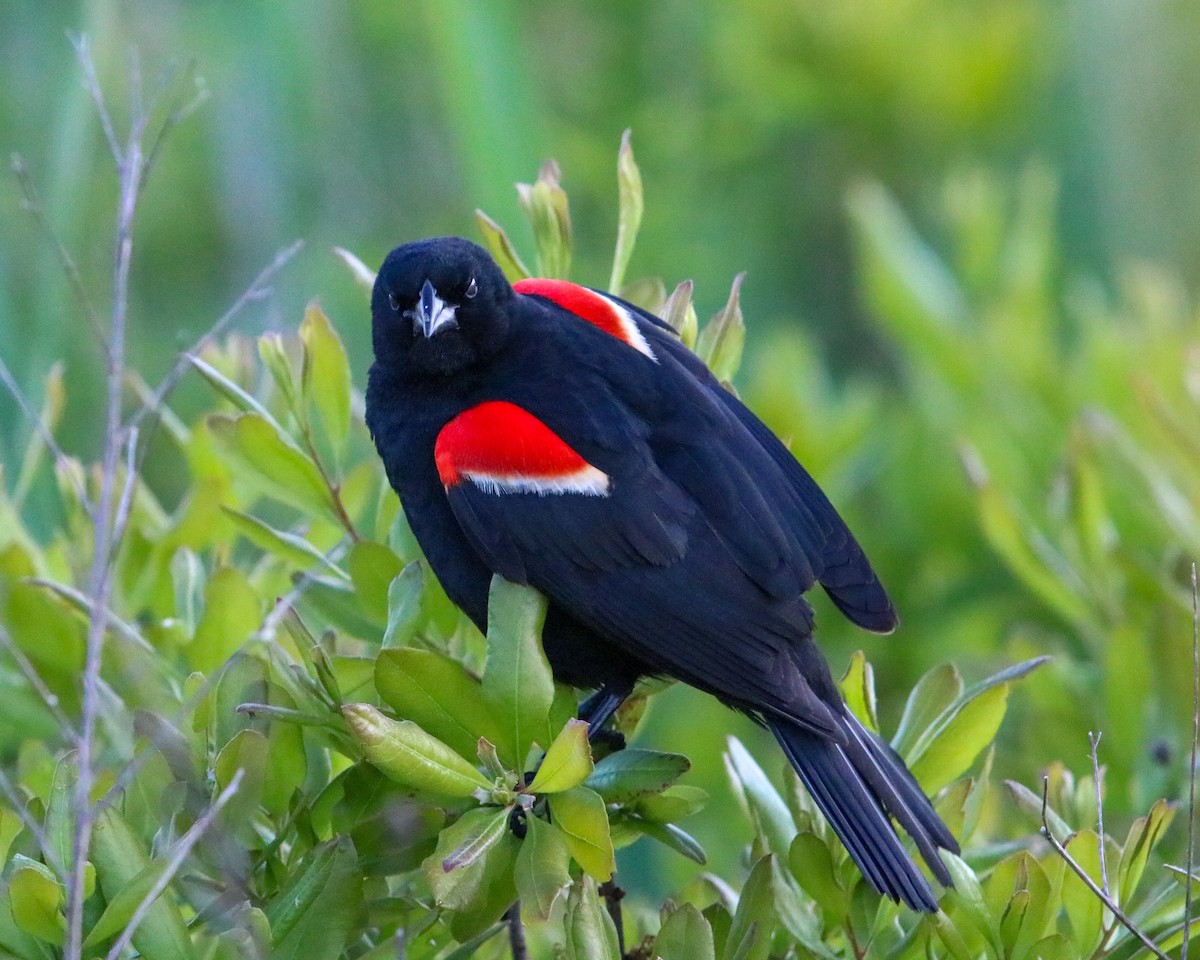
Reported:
(566, 439)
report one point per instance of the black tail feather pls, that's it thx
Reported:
(856, 785)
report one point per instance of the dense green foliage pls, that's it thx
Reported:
(286, 686)
(1001, 399)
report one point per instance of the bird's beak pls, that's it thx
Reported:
(433, 313)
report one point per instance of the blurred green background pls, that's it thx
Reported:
(971, 228)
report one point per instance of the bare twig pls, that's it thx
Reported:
(516, 932)
(258, 289)
(1094, 742)
(46, 436)
(33, 205)
(178, 855)
(176, 116)
(613, 895)
(92, 84)
(130, 166)
(1191, 837)
(335, 493)
(128, 485)
(1082, 874)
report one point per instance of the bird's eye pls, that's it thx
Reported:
(472, 289)
(393, 302)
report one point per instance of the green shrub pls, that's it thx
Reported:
(302, 750)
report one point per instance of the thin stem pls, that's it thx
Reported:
(1091, 884)
(180, 853)
(1094, 741)
(92, 84)
(613, 895)
(130, 167)
(335, 493)
(516, 932)
(1191, 841)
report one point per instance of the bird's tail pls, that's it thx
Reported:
(857, 784)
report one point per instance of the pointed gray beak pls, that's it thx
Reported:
(433, 313)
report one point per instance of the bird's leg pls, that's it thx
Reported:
(598, 709)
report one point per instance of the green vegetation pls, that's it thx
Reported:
(299, 748)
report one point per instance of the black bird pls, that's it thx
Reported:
(566, 439)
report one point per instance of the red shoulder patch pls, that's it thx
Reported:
(503, 448)
(595, 308)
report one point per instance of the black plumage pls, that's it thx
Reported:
(567, 440)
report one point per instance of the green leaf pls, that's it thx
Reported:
(1084, 909)
(672, 804)
(36, 900)
(501, 248)
(581, 815)
(759, 798)
(404, 611)
(287, 762)
(952, 754)
(484, 833)
(1013, 537)
(811, 863)
(1144, 835)
(754, 920)
(684, 935)
(247, 751)
(961, 740)
(951, 937)
(545, 205)
(482, 888)
(60, 810)
(720, 343)
(119, 910)
(932, 695)
(858, 690)
(1053, 947)
(517, 684)
(624, 776)
(273, 353)
(679, 313)
(373, 567)
(316, 914)
(188, 578)
(234, 393)
(409, 755)
(279, 469)
(542, 870)
(966, 898)
(120, 858)
(629, 218)
(53, 405)
(232, 613)
(437, 692)
(292, 547)
(671, 836)
(325, 376)
(567, 763)
(590, 931)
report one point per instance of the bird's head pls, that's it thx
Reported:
(438, 306)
